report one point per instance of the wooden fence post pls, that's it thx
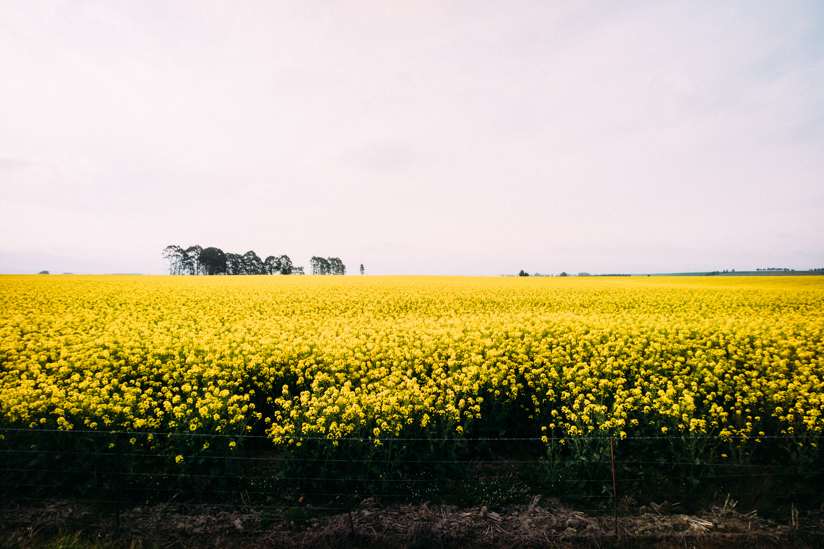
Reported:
(614, 489)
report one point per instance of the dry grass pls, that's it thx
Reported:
(546, 523)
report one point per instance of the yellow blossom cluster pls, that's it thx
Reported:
(380, 357)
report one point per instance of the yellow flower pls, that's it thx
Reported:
(585, 356)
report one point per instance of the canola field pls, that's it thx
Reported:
(384, 357)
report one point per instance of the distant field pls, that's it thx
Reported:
(414, 356)
(746, 273)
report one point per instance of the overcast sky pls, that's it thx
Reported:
(443, 137)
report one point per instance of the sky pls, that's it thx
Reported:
(417, 138)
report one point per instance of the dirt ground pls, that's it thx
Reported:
(543, 523)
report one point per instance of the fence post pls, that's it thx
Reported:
(614, 489)
(118, 438)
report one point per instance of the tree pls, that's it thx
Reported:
(286, 266)
(252, 264)
(319, 266)
(336, 266)
(522, 273)
(362, 270)
(234, 264)
(213, 261)
(272, 265)
(175, 256)
(192, 259)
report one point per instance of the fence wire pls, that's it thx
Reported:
(111, 469)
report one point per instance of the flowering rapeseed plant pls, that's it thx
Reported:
(380, 357)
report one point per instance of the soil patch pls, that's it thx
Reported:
(543, 523)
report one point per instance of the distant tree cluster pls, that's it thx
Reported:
(773, 269)
(195, 260)
(329, 266)
(524, 273)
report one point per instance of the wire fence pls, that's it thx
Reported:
(115, 469)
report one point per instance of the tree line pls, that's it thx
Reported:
(329, 266)
(195, 260)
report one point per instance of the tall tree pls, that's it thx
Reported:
(192, 259)
(252, 264)
(234, 264)
(286, 266)
(319, 266)
(213, 261)
(362, 270)
(174, 255)
(336, 266)
(272, 265)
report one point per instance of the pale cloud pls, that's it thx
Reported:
(423, 139)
